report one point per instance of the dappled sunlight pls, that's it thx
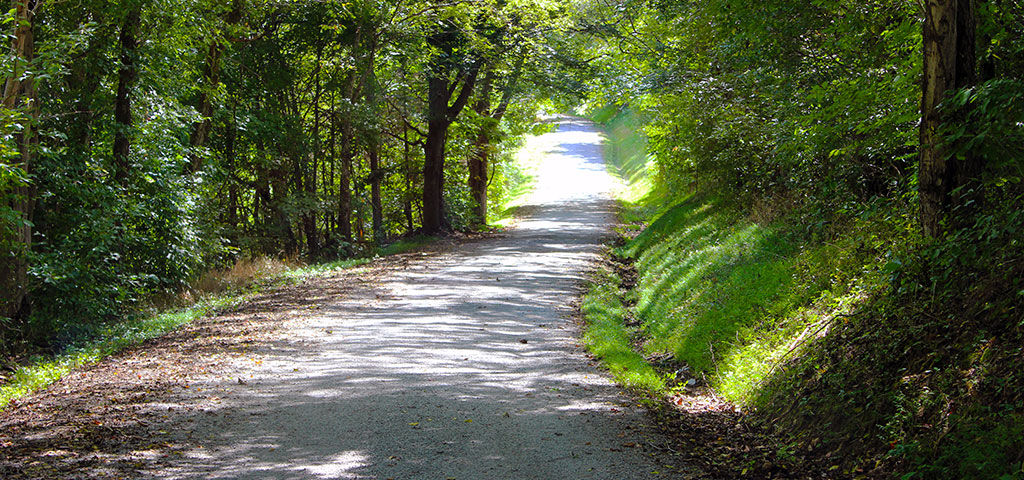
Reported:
(461, 365)
(338, 466)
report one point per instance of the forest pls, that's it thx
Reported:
(148, 141)
(854, 169)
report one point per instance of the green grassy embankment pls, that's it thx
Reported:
(830, 334)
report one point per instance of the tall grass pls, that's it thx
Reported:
(730, 297)
(734, 299)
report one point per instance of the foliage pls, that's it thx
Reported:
(781, 253)
(291, 130)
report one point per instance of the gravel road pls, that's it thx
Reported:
(458, 365)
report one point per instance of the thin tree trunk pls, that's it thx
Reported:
(126, 78)
(373, 141)
(345, 167)
(334, 149)
(482, 145)
(20, 93)
(229, 153)
(375, 197)
(211, 76)
(201, 128)
(309, 217)
(408, 197)
(480, 154)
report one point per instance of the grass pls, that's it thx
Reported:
(885, 354)
(223, 289)
(732, 298)
(607, 337)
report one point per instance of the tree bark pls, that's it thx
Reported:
(371, 88)
(481, 154)
(407, 164)
(309, 216)
(949, 64)
(375, 196)
(126, 77)
(440, 117)
(20, 93)
(345, 168)
(482, 145)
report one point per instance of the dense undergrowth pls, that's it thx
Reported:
(885, 354)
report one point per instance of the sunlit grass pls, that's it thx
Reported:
(731, 298)
(735, 299)
(607, 337)
(521, 180)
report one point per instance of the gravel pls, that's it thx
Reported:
(457, 364)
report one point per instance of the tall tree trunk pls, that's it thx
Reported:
(229, 154)
(408, 196)
(201, 128)
(333, 148)
(348, 152)
(20, 93)
(440, 116)
(128, 73)
(433, 156)
(309, 216)
(371, 89)
(282, 225)
(345, 174)
(949, 63)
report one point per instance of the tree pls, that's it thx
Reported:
(949, 65)
(19, 93)
(126, 77)
(479, 180)
(448, 74)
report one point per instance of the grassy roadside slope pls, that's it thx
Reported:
(822, 333)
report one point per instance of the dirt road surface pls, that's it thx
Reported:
(461, 363)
